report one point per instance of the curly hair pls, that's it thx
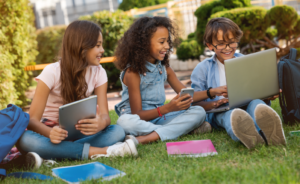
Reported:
(134, 47)
(79, 37)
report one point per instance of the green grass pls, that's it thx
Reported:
(233, 164)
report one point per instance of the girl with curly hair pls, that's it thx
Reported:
(143, 56)
(75, 76)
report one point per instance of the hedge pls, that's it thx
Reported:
(49, 42)
(130, 4)
(264, 28)
(204, 12)
(251, 20)
(189, 49)
(17, 50)
(114, 25)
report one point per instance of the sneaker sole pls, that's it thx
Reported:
(35, 159)
(205, 127)
(132, 147)
(243, 127)
(270, 123)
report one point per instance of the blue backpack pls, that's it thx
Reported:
(13, 122)
(289, 77)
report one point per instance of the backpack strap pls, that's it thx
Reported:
(281, 96)
(293, 54)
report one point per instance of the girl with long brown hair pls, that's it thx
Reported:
(75, 76)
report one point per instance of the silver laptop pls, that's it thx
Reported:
(253, 76)
(71, 113)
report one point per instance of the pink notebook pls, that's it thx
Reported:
(197, 148)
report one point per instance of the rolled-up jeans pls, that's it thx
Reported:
(34, 142)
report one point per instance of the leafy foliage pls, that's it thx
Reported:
(265, 28)
(130, 4)
(17, 50)
(204, 12)
(113, 27)
(189, 49)
(251, 20)
(49, 41)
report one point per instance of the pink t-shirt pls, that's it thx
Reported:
(95, 76)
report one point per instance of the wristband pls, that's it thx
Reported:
(159, 114)
(208, 93)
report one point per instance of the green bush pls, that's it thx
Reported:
(251, 20)
(189, 49)
(49, 42)
(298, 53)
(204, 12)
(130, 4)
(17, 50)
(285, 19)
(264, 28)
(113, 27)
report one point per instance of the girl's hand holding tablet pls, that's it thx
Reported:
(57, 135)
(91, 126)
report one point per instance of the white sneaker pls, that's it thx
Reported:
(34, 159)
(126, 148)
(37, 161)
(136, 142)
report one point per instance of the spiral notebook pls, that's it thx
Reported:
(197, 148)
(94, 170)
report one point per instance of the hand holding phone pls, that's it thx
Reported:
(189, 91)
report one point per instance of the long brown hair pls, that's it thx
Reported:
(79, 37)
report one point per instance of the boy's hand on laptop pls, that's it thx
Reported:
(90, 126)
(219, 91)
(274, 97)
(57, 135)
(217, 103)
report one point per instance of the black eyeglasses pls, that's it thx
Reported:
(222, 46)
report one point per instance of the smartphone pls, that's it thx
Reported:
(189, 91)
(295, 133)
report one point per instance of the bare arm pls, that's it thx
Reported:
(132, 80)
(37, 108)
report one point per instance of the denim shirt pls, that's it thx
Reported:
(151, 88)
(205, 75)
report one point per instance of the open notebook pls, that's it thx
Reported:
(197, 148)
(94, 170)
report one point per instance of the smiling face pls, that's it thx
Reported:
(159, 45)
(226, 53)
(94, 55)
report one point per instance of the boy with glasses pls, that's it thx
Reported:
(256, 123)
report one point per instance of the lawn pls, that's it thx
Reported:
(233, 164)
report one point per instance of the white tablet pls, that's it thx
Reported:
(71, 113)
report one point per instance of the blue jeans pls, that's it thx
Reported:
(173, 125)
(33, 142)
(222, 119)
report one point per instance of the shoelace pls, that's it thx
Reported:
(49, 163)
(93, 157)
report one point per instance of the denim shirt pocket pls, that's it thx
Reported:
(149, 86)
